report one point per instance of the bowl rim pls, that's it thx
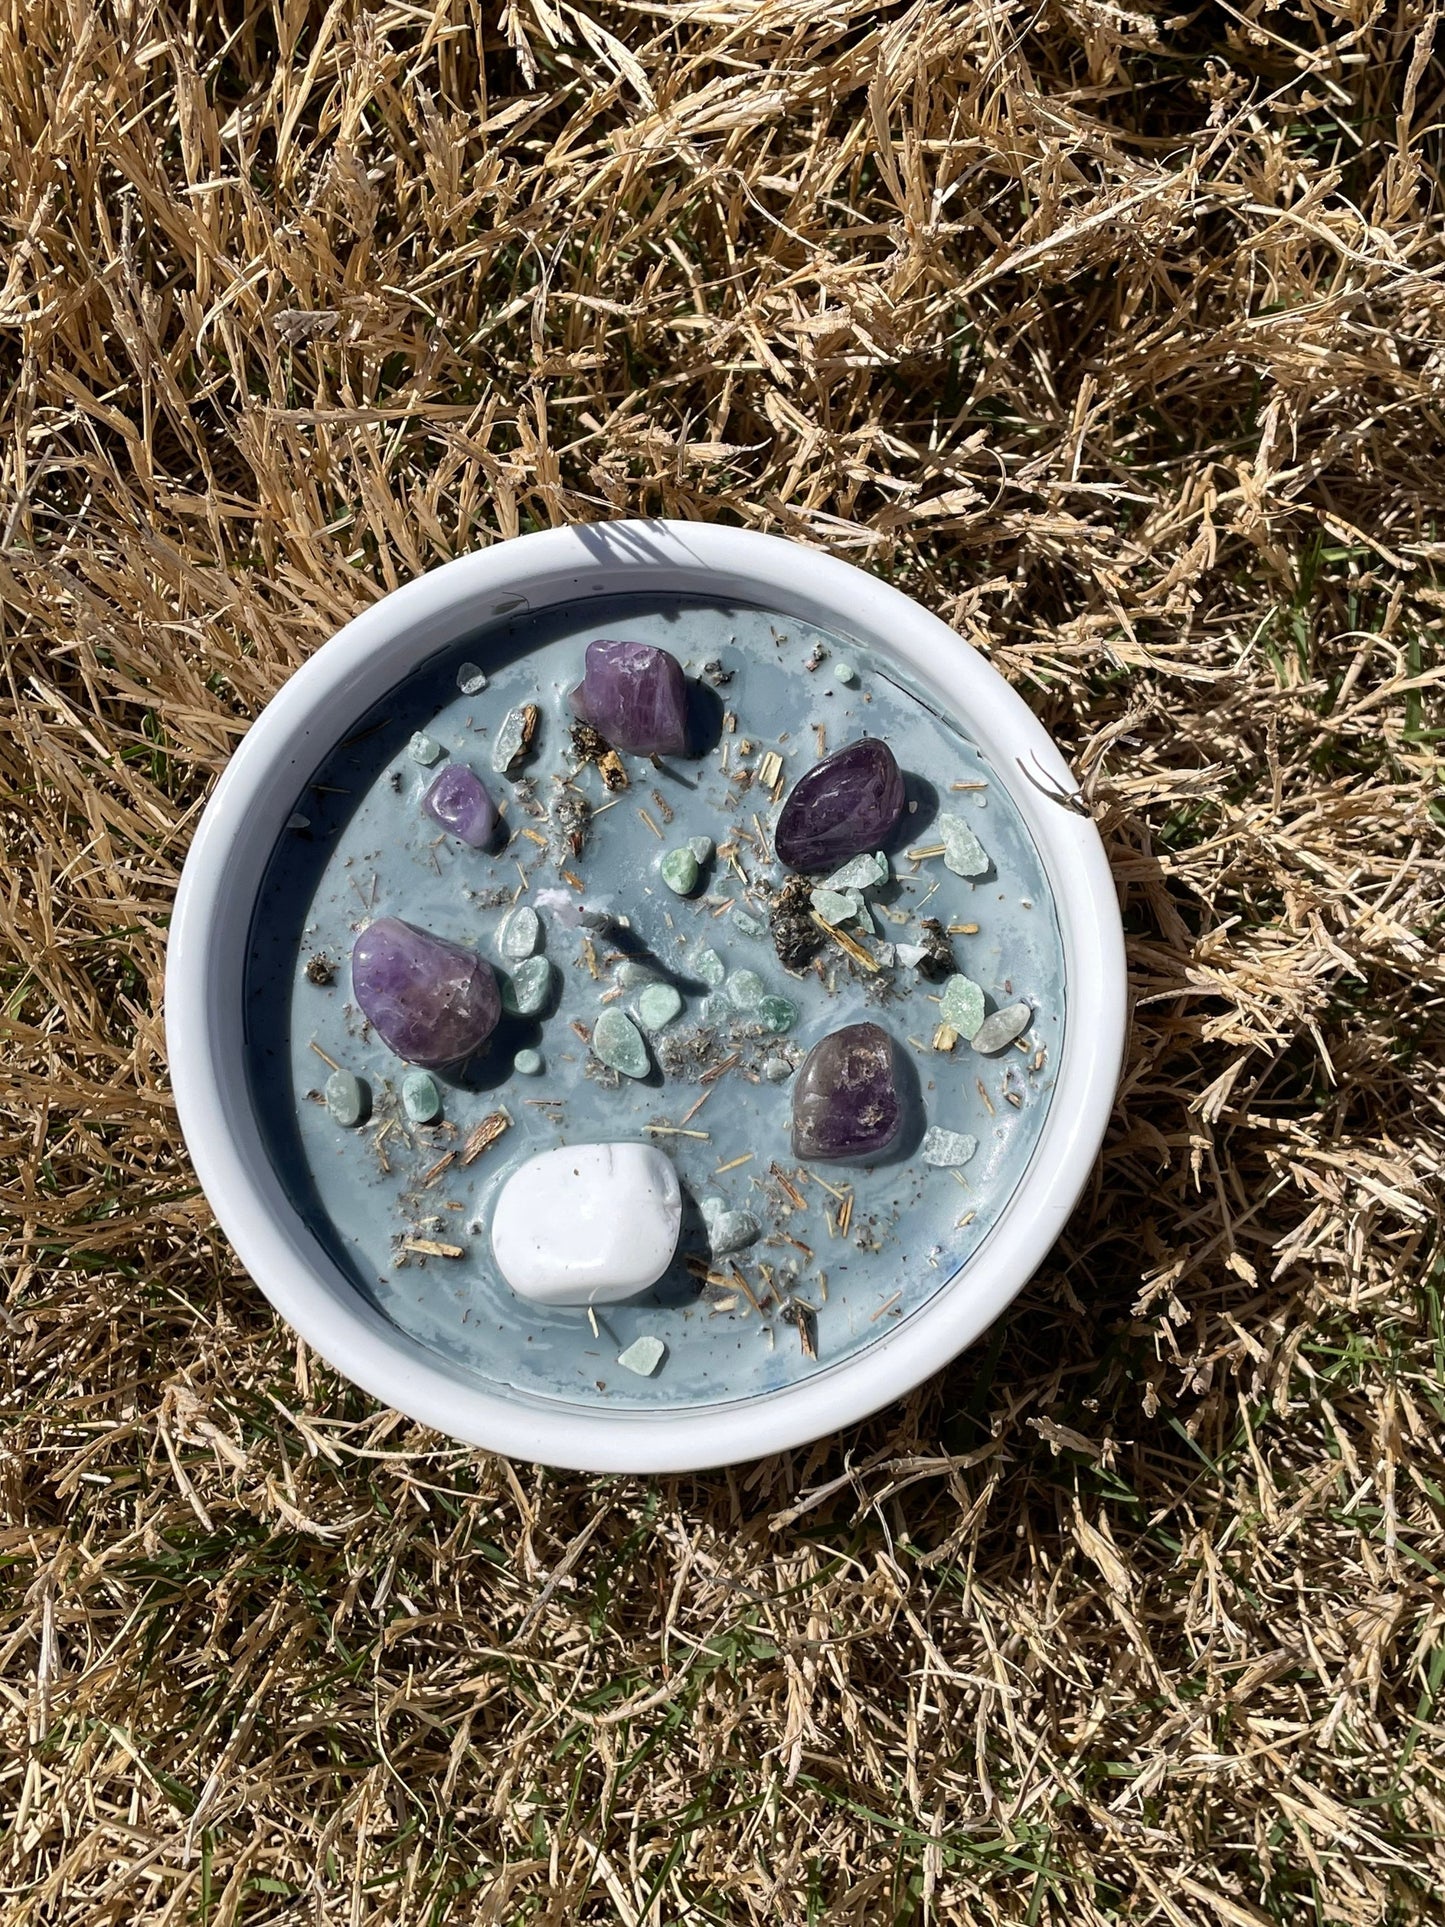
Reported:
(255, 794)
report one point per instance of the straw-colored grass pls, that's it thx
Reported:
(1114, 336)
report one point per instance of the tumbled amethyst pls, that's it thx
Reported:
(459, 802)
(848, 803)
(431, 1001)
(846, 1101)
(635, 697)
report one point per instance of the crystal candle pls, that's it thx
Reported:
(663, 872)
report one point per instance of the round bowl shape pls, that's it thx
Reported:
(322, 703)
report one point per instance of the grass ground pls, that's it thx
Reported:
(1112, 334)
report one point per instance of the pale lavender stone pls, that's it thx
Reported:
(459, 802)
(846, 1101)
(431, 1001)
(635, 697)
(848, 803)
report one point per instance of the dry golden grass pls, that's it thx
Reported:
(1113, 335)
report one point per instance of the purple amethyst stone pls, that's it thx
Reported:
(430, 1001)
(848, 803)
(846, 1101)
(460, 804)
(635, 697)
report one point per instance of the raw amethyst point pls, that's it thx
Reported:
(430, 1001)
(846, 1101)
(635, 697)
(848, 803)
(459, 802)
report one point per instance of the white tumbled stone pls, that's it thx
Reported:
(587, 1224)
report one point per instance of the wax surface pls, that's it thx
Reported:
(867, 1246)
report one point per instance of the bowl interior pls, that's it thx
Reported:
(206, 990)
(848, 1247)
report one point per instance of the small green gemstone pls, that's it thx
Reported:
(526, 989)
(528, 1063)
(746, 989)
(632, 971)
(702, 848)
(728, 1230)
(520, 934)
(420, 1098)
(845, 673)
(747, 925)
(777, 1014)
(833, 907)
(999, 1031)
(859, 873)
(680, 871)
(961, 1005)
(862, 915)
(962, 851)
(424, 749)
(946, 1150)
(710, 967)
(617, 1042)
(643, 1356)
(658, 1005)
(347, 1099)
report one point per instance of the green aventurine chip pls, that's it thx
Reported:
(658, 1005)
(643, 1355)
(680, 871)
(617, 1043)
(777, 1014)
(961, 1005)
(526, 989)
(347, 1098)
(746, 990)
(420, 1098)
(947, 1149)
(962, 851)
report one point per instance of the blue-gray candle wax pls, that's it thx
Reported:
(841, 1250)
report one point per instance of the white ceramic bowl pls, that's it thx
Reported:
(322, 702)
